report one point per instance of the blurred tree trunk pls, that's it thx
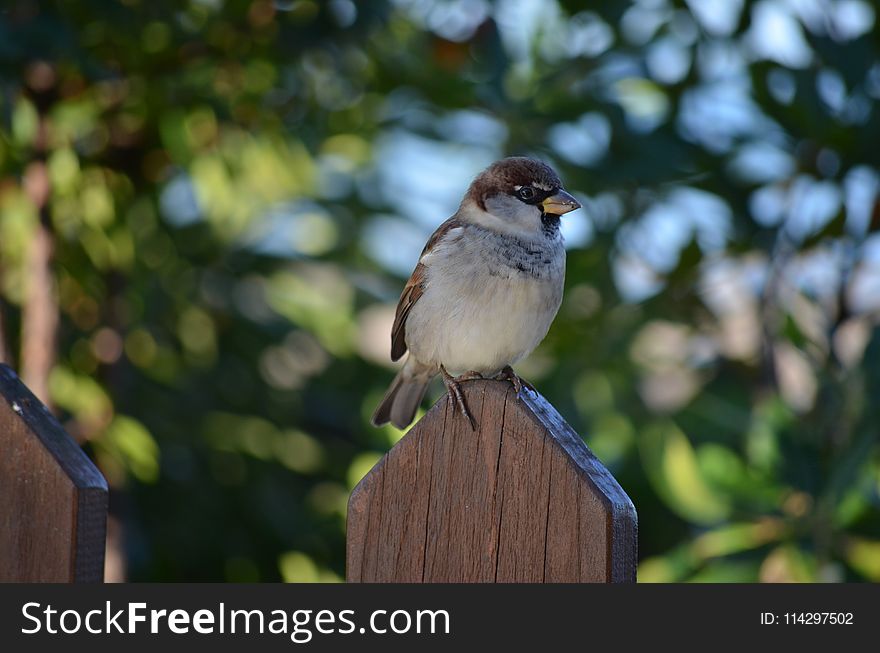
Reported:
(39, 320)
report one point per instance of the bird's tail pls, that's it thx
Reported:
(400, 403)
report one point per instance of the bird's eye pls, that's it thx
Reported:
(526, 193)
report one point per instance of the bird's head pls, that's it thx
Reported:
(518, 196)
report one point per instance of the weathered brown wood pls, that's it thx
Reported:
(53, 500)
(521, 500)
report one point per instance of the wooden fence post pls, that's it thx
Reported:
(521, 500)
(53, 500)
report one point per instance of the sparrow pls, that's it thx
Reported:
(485, 290)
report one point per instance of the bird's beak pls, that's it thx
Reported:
(559, 203)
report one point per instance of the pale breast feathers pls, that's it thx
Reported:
(415, 286)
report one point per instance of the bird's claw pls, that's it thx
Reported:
(455, 395)
(507, 374)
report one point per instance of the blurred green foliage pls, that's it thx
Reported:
(238, 188)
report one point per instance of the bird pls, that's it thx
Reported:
(485, 290)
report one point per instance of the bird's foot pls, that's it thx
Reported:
(454, 394)
(507, 374)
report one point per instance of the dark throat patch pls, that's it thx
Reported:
(550, 223)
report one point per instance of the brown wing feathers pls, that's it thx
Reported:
(414, 289)
(411, 293)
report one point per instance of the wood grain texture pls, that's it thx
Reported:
(53, 513)
(521, 500)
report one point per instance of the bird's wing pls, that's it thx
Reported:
(415, 287)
